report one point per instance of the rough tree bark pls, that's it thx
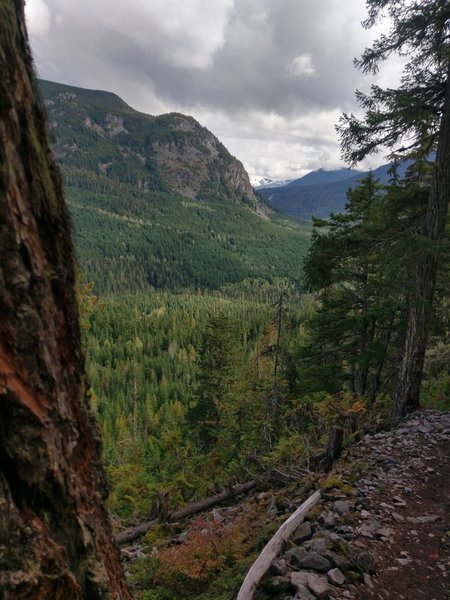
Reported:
(411, 368)
(55, 538)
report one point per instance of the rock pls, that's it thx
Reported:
(299, 578)
(295, 556)
(336, 577)
(398, 501)
(364, 503)
(412, 520)
(303, 593)
(403, 561)
(277, 584)
(301, 581)
(316, 562)
(275, 508)
(263, 496)
(302, 533)
(346, 532)
(329, 521)
(427, 519)
(217, 515)
(338, 560)
(277, 567)
(341, 507)
(181, 538)
(368, 528)
(383, 532)
(398, 518)
(317, 545)
(132, 553)
(318, 585)
(424, 428)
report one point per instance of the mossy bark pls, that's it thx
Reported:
(55, 537)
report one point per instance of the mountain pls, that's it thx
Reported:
(170, 152)
(320, 193)
(159, 202)
(324, 176)
(263, 182)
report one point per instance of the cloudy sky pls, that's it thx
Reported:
(268, 77)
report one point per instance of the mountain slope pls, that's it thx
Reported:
(99, 132)
(159, 201)
(323, 176)
(320, 193)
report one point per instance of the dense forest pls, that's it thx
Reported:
(198, 391)
(218, 357)
(222, 341)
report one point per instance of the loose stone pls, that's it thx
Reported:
(336, 577)
(318, 585)
(316, 562)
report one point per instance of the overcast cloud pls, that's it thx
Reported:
(268, 77)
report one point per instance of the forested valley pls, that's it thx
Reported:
(204, 376)
(197, 391)
(227, 346)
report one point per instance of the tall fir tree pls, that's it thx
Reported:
(411, 120)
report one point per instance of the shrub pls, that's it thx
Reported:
(209, 548)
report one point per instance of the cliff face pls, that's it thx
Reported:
(96, 131)
(55, 538)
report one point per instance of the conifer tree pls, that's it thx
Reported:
(214, 408)
(360, 262)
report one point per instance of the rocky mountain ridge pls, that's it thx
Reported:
(171, 151)
(159, 202)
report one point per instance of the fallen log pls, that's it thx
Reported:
(133, 533)
(273, 547)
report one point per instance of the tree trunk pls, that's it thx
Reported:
(411, 368)
(376, 383)
(333, 450)
(55, 537)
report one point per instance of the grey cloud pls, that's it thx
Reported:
(285, 57)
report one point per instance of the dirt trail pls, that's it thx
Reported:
(382, 528)
(408, 487)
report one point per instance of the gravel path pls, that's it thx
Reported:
(408, 488)
(382, 529)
